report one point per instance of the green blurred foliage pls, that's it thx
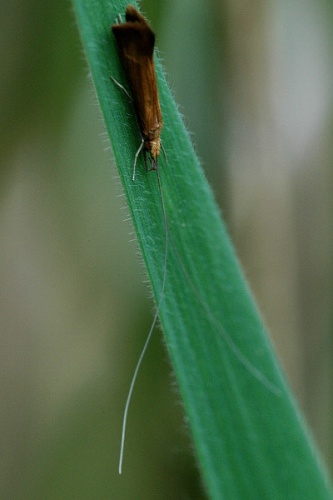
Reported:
(74, 311)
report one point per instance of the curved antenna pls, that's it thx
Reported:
(144, 349)
(252, 369)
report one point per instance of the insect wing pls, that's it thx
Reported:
(135, 40)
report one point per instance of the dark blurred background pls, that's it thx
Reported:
(254, 82)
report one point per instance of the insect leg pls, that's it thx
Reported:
(164, 153)
(136, 158)
(122, 88)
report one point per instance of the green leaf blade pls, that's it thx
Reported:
(248, 434)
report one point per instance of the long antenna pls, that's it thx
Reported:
(144, 349)
(253, 370)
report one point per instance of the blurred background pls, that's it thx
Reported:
(254, 82)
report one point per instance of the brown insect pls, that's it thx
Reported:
(135, 40)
